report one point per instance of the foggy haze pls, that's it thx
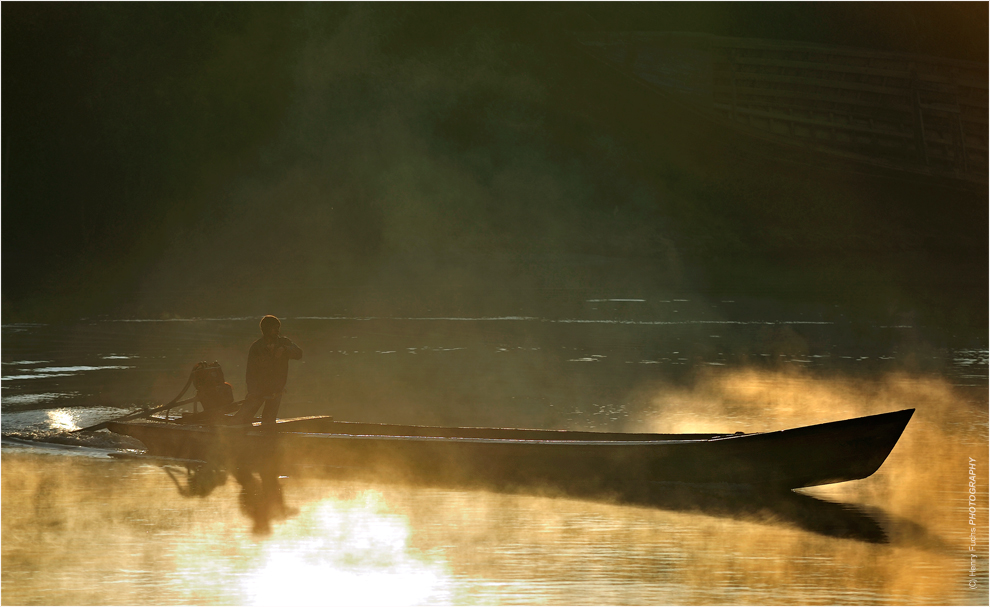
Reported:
(383, 159)
(464, 218)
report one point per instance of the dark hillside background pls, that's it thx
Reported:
(224, 158)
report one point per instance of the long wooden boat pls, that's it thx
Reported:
(801, 457)
(909, 113)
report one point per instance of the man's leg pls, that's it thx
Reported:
(270, 413)
(245, 415)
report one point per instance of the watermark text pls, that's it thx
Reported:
(971, 502)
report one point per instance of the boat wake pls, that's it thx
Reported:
(60, 441)
(54, 429)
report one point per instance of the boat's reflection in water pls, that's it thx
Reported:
(257, 474)
(781, 507)
(262, 500)
(200, 537)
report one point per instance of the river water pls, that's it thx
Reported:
(87, 520)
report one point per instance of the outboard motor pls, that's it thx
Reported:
(212, 391)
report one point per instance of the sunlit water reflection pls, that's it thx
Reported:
(97, 529)
(85, 531)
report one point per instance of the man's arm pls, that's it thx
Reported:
(292, 351)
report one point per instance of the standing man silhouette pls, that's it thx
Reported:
(267, 370)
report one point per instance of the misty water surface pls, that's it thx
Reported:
(82, 527)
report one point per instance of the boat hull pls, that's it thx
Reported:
(813, 455)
